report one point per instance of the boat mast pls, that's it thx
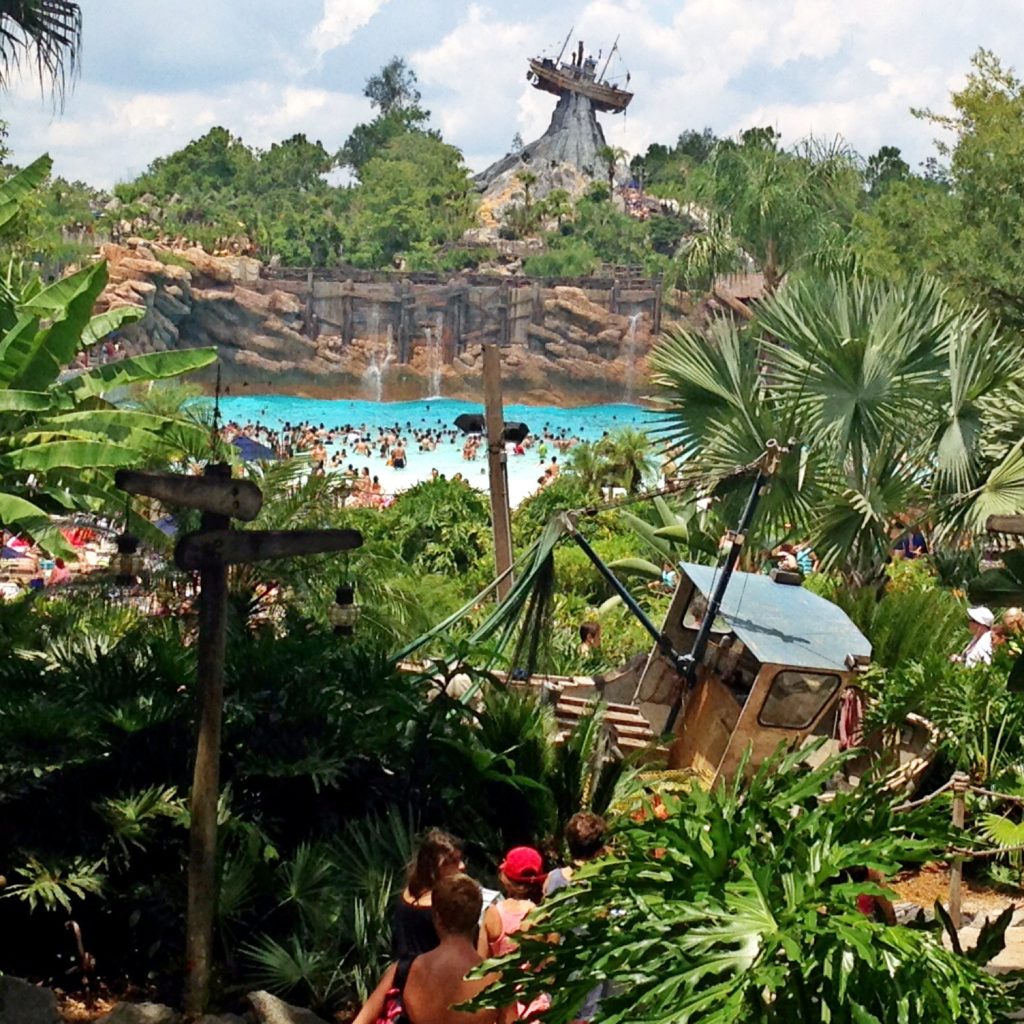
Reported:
(615, 46)
(564, 45)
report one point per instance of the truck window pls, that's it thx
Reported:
(797, 698)
(694, 614)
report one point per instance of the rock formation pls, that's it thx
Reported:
(562, 347)
(573, 137)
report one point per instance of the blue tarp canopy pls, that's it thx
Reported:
(252, 451)
(782, 624)
(167, 525)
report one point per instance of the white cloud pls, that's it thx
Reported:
(341, 20)
(120, 135)
(853, 67)
(478, 70)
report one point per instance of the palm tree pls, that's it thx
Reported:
(612, 156)
(629, 458)
(785, 206)
(588, 464)
(892, 397)
(527, 179)
(46, 33)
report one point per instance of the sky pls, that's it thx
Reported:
(157, 73)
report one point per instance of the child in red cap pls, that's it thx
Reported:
(522, 876)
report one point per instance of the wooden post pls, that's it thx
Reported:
(658, 286)
(537, 305)
(956, 871)
(309, 303)
(347, 310)
(202, 854)
(503, 318)
(613, 296)
(211, 551)
(497, 465)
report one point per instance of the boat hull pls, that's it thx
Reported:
(550, 78)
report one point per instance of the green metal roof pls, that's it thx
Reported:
(783, 624)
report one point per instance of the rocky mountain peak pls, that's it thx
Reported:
(574, 137)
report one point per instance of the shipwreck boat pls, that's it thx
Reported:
(579, 75)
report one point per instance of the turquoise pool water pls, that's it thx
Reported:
(586, 422)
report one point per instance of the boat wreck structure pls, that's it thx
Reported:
(574, 135)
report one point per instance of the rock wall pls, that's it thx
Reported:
(560, 346)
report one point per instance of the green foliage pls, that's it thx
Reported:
(46, 35)
(883, 169)
(442, 526)
(895, 398)
(737, 905)
(49, 887)
(218, 189)
(913, 620)
(785, 207)
(962, 222)
(62, 437)
(979, 719)
(415, 196)
(669, 165)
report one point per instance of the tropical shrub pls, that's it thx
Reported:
(890, 396)
(740, 905)
(61, 437)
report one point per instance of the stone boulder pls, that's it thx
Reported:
(506, 191)
(271, 1010)
(24, 1003)
(140, 1013)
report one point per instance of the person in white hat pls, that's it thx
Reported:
(979, 649)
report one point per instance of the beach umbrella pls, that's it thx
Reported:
(252, 451)
(8, 552)
(470, 423)
(516, 432)
(15, 547)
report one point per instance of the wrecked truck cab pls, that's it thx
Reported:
(777, 660)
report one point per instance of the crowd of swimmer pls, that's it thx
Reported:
(443, 927)
(339, 449)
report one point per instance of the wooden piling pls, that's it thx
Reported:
(956, 871)
(202, 860)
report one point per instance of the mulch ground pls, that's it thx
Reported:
(931, 883)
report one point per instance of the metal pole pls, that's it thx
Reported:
(627, 597)
(766, 468)
(498, 468)
(956, 870)
(202, 861)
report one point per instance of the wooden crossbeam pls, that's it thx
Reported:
(231, 547)
(239, 499)
(1005, 524)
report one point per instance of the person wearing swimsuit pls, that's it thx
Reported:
(435, 982)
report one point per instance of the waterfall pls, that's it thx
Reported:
(630, 357)
(373, 375)
(435, 358)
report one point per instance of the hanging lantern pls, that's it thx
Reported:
(129, 561)
(344, 613)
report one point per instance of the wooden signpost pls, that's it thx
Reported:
(498, 469)
(1005, 524)
(210, 551)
